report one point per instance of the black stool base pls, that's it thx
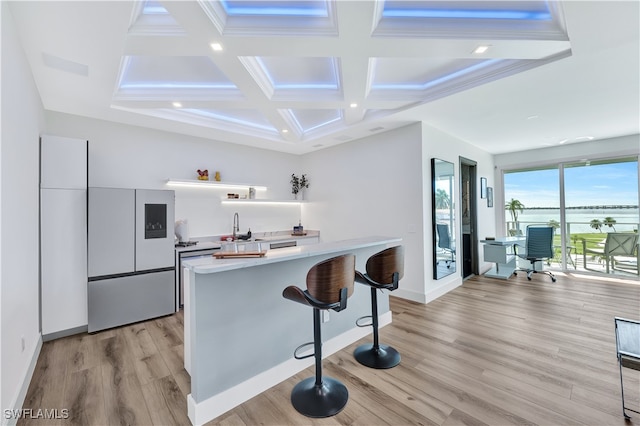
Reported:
(319, 401)
(384, 357)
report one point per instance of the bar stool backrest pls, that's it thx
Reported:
(327, 278)
(381, 266)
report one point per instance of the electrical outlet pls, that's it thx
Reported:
(22, 342)
(325, 316)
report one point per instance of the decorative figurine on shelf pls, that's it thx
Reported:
(298, 184)
(203, 174)
(217, 177)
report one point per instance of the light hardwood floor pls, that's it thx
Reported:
(490, 352)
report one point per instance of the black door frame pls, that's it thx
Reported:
(472, 250)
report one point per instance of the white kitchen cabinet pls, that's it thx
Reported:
(63, 236)
(64, 260)
(63, 163)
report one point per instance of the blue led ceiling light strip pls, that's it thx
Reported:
(295, 9)
(154, 8)
(522, 15)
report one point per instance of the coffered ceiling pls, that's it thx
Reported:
(300, 75)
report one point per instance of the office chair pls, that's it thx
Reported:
(538, 247)
(444, 242)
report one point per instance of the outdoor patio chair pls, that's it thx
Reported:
(616, 244)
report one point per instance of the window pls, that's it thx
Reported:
(584, 200)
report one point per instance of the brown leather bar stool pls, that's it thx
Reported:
(329, 284)
(384, 271)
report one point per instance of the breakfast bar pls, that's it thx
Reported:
(240, 333)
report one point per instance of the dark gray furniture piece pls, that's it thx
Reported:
(627, 351)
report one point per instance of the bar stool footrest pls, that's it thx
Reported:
(303, 346)
(367, 324)
(382, 357)
(325, 400)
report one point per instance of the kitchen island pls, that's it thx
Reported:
(240, 333)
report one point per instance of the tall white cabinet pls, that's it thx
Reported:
(63, 235)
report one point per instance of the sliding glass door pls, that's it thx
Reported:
(601, 198)
(585, 201)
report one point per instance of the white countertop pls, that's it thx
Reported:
(202, 245)
(210, 265)
(213, 242)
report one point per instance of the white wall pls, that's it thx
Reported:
(372, 186)
(22, 120)
(437, 144)
(381, 185)
(127, 156)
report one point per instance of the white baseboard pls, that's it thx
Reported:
(409, 295)
(429, 295)
(209, 409)
(442, 290)
(18, 401)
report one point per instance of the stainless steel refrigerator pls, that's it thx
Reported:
(130, 256)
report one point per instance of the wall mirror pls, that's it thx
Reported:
(443, 218)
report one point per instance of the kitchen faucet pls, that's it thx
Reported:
(236, 224)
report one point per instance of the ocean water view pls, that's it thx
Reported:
(579, 219)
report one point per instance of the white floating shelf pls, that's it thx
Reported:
(260, 201)
(213, 184)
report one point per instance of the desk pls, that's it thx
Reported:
(500, 252)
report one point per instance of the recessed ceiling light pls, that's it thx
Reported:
(480, 49)
(177, 105)
(216, 47)
(353, 105)
(285, 131)
(584, 138)
(533, 117)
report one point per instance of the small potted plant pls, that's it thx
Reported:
(298, 184)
